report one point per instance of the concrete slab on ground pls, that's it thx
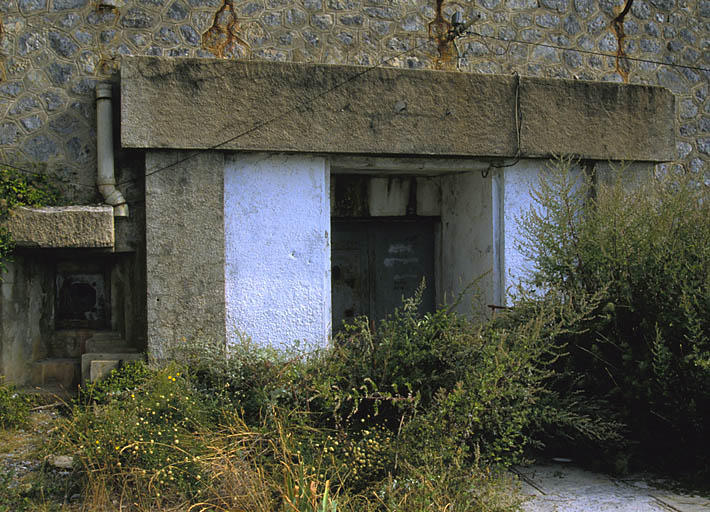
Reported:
(563, 487)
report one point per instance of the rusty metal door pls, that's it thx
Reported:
(378, 261)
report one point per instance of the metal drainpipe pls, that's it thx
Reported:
(105, 178)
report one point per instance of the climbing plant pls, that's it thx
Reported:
(22, 189)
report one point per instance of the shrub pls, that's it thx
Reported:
(452, 388)
(14, 407)
(411, 416)
(136, 435)
(644, 252)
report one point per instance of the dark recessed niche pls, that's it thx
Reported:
(82, 296)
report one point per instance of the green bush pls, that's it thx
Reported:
(136, 433)
(644, 253)
(14, 407)
(453, 388)
(414, 414)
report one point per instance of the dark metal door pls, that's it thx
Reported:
(376, 262)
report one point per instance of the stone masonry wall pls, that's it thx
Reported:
(52, 52)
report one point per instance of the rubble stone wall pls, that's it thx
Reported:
(52, 53)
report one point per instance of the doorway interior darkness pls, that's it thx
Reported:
(378, 261)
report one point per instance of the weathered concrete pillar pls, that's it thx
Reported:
(184, 248)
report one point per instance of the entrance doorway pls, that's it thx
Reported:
(376, 262)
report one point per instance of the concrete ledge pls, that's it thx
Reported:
(67, 227)
(313, 108)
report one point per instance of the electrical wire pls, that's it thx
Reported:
(587, 52)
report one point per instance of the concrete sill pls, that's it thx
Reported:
(63, 227)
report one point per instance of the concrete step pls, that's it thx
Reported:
(106, 342)
(97, 365)
(56, 372)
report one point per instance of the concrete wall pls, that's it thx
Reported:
(277, 248)
(26, 317)
(466, 249)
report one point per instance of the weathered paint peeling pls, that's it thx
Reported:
(622, 66)
(223, 38)
(440, 31)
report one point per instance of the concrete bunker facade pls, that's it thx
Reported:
(413, 147)
(316, 193)
(306, 195)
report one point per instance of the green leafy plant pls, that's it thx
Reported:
(415, 415)
(22, 189)
(136, 432)
(14, 407)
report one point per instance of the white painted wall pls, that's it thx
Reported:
(518, 183)
(466, 248)
(277, 249)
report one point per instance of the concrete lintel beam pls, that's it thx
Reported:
(313, 108)
(596, 120)
(289, 107)
(425, 166)
(66, 227)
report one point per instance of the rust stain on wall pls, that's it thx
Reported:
(223, 38)
(108, 62)
(440, 31)
(618, 26)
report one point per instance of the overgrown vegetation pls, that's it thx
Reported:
(643, 253)
(22, 189)
(14, 407)
(421, 414)
(605, 349)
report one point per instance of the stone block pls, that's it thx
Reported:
(108, 342)
(298, 107)
(65, 227)
(345, 109)
(596, 120)
(101, 368)
(88, 369)
(62, 372)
